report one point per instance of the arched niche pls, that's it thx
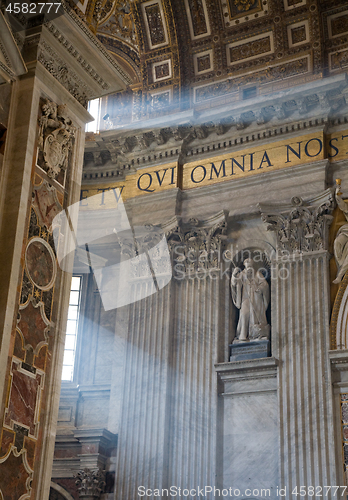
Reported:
(57, 492)
(261, 255)
(339, 318)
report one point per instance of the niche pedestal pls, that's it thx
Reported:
(255, 349)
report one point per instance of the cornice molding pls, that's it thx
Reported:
(241, 125)
(94, 40)
(13, 64)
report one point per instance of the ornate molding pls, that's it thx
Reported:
(196, 245)
(302, 226)
(187, 140)
(90, 483)
(63, 74)
(92, 38)
(121, 23)
(79, 59)
(56, 136)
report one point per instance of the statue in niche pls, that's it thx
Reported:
(341, 240)
(250, 294)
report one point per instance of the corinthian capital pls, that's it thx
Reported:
(301, 226)
(195, 245)
(90, 483)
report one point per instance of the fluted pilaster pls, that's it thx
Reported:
(300, 326)
(168, 422)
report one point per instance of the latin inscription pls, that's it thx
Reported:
(251, 161)
(306, 149)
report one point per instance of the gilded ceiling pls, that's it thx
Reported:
(183, 53)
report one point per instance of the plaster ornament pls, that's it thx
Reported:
(250, 294)
(300, 227)
(90, 483)
(244, 5)
(55, 137)
(341, 240)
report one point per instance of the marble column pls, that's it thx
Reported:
(166, 434)
(41, 176)
(199, 291)
(300, 330)
(142, 431)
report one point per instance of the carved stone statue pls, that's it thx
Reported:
(250, 294)
(341, 240)
(55, 137)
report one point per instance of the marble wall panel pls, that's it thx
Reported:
(33, 325)
(250, 441)
(15, 475)
(29, 376)
(24, 399)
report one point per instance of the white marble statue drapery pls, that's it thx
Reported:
(341, 240)
(250, 294)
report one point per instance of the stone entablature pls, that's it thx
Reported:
(68, 50)
(246, 125)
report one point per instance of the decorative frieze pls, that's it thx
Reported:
(86, 65)
(250, 48)
(66, 76)
(96, 44)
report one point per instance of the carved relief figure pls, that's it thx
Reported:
(55, 137)
(250, 294)
(341, 240)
